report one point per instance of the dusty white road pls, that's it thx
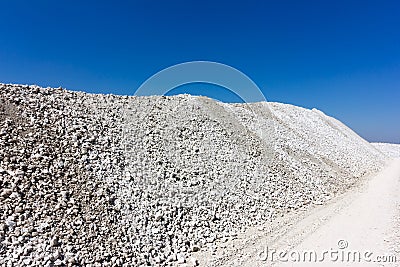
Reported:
(366, 229)
(360, 228)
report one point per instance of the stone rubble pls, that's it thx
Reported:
(391, 150)
(104, 180)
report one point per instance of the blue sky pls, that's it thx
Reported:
(342, 57)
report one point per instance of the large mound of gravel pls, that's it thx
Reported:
(111, 180)
(391, 150)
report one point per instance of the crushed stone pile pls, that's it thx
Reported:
(391, 150)
(108, 180)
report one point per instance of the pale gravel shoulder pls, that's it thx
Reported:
(367, 224)
(395, 241)
(366, 218)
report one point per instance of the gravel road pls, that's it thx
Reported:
(357, 228)
(367, 224)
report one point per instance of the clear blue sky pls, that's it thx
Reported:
(342, 57)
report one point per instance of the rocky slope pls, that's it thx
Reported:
(111, 180)
(391, 150)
